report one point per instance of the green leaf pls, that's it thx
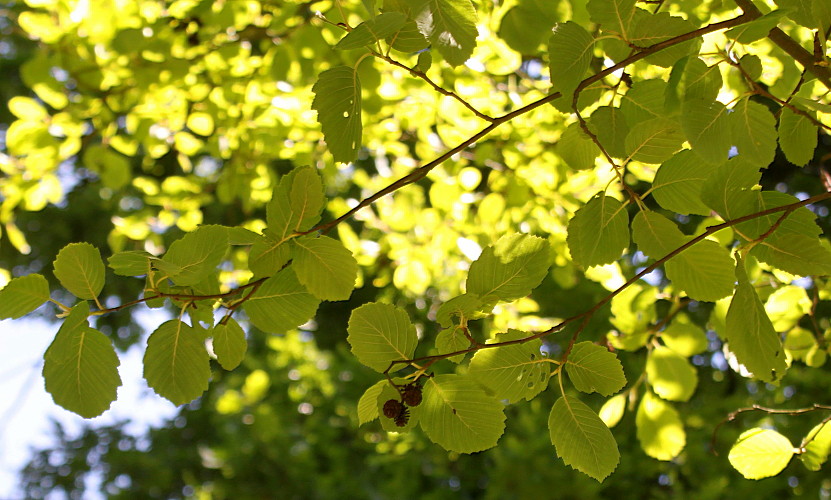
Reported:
(23, 295)
(576, 148)
(80, 270)
(650, 29)
(687, 339)
(381, 333)
(750, 334)
(373, 30)
(368, 403)
(281, 303)
(599, 232)
(463, 307)
(450, 25)
(818, 446)
(130, 263)
(229, 343)
(569, 54)
(654, 141)
(794, 253)
(612, 410)
(707, 128)
(176, 364)
(80, 367)
(338, 105)
(452, 339)
(756, 29)
(801, 221)
(671, 375)
(460, 416)
(192, 258)
(797, 137)
(581, 438)
(609, 125)
(644, 101)
(614, 16)
(678, 182)
(512, 372)
(754, 132)
(325, 267)
(660, 430)
(268, 255)
(760, 453)
(726, 189)
(511, 268)
(408, 39)
(593, 368)
(306, 197)
(696, 80)
(704, 271)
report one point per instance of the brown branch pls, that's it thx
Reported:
(429, 360)
(790, 46)
(421, 172)
(774, 411)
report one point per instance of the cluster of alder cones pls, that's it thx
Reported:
(399, 411)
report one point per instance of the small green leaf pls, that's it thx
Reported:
(452, 339)
(687, 339)
(678, 182)
(80, 367)
(569, 54)
(654, 141)
(726, 189)
(23, 295)
(176, 364)
(373, 30)
(368, 403)
(794, 253)
(511, 268)
(281, 303)
(268, 255)
(614, 16)
(671, 375)
(576, 148)
(612, 410)
(408, 39)
(463, 308)
(750, 334)
(80, 270)
(229, 343)
(130, 263)
(797, 137)
(609, 125)
(306, 197)
(660, 430)
(381, 333)
(192, 258)
(450, 25)
(325, 267)
(760, 453)
(707, 128)
(512, 372)
(754, 132)
(818, 446)
(593, 368)
(460, 416)
(338, 105)
(655, 28)
(644, 101)
(599, 232)
(581, 438)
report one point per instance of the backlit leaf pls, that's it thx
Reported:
(450, 25)
(750, 334)
(612, 410)
(660, 430)
(513, 372)
(130, 263)
(80, 270)
(671, 375)
(797, 137)
(229, 343)
(609, 125)
(381, 333)
(192, 258)
(281, 303)
(760, 453)
(373, 30)
(368, 403)
(818, 446)
(794, 253)
(569, 55)
(599, 232)
(687, 339)
(576, 148)
(510, 268)
(707, 128)
(452, 339)
(338, 105)
(678, 182)
(654, 141)
(581, 438)
(460, 416)
(23, 295)
(81, 367)
(593, 368)
(325, 267)
(614, 16)
(655, 28)
(754, 132)
(176, 364)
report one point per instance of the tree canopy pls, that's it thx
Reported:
(410, 248)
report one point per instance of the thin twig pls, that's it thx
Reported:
(774, 411)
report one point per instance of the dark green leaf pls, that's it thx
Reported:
(338, 105)
(281, 303)
(23, 295)
(599, 232)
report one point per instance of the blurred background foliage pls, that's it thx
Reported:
(125, 123)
